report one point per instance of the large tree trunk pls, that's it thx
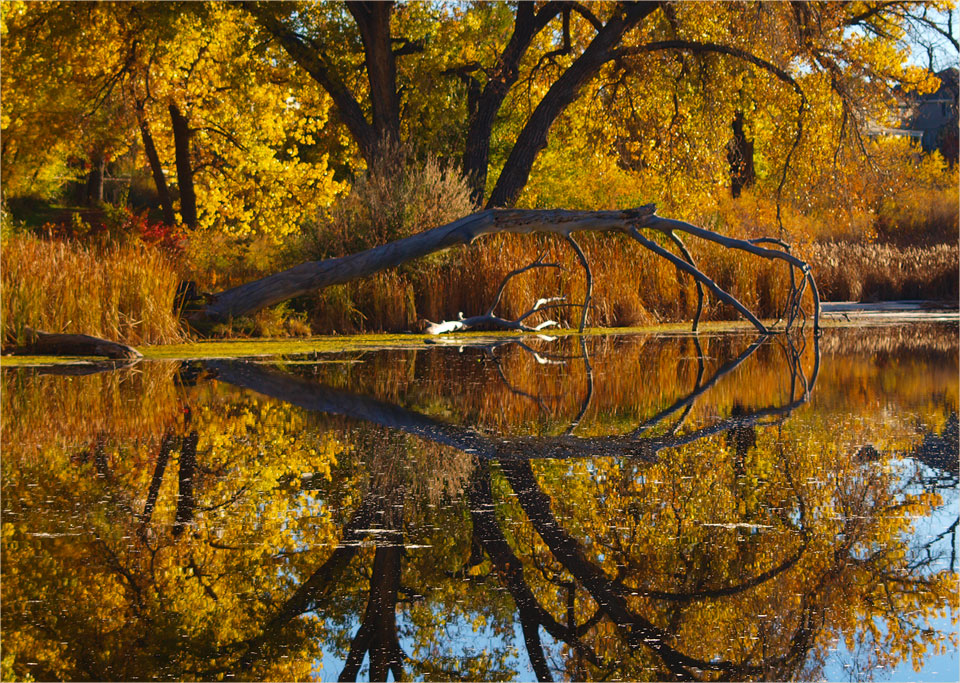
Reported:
(312, 276)
(309, 277)
(566, 89)
(181, 143)
(740, 157)
(93, 190)
(373, 20)
(156, 168)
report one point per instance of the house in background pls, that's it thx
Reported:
(935, 116)
(930, 119)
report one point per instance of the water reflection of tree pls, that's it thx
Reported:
(604, 581)
(783, 646)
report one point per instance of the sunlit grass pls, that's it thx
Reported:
(119, 292)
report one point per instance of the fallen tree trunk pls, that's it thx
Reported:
(309, 277)
(46, 344)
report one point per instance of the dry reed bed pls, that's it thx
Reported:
(883, 272)
(120, 292)
(632, 286)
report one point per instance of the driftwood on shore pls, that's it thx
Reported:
(47, 344)
(309, 277)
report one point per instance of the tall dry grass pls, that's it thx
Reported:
(920, 217)
(121, 292)
(884, 272)
(632, 286)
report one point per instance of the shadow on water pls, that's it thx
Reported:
(620, 508)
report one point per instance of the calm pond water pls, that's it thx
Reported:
(616, 508)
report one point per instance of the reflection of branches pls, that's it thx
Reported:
(589, 395)
(637, 630)
(489, 536)
(320, 398)
(166, 445)
(316, 586)
(699, 389)
(546, 357)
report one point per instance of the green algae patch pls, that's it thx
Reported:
(277, 348)
(241, 348)
(32, 361)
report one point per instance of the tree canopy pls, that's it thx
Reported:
(255, 105)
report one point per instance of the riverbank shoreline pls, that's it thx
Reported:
(834, 314)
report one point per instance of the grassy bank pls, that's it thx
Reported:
(118, 292)
(126, 293)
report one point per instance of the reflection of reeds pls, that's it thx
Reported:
(122, 292)
(41, 412)
(918, 339)
(883, 272)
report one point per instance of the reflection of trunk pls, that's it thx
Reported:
(166, 446)
(181, 143)
(93, 192)
(638, 631)
(940, 451)
(319, 583)
(156, 169)
(185, 501)
(378, 630)
(100, 458)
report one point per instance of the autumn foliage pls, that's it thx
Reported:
(254, 136)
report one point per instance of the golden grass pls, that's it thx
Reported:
(883, 272)
(632, 286)
(120, 292)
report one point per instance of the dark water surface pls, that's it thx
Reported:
(617, 508)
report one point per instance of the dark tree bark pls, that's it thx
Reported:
(373, 20)
(156, 168)
(93, 190)
(476, 155)
(740, 157)
(181, 144)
